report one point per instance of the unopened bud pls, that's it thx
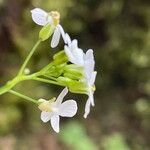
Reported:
(74, 72)
(26, 71)
(60, 57)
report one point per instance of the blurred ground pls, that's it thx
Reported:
(119, 33)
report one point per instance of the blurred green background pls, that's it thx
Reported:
(119, 33)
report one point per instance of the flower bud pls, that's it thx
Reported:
(73, 85)
(55, 70)
(78, 87)
(64, 81)
(73, 71)
(60, 57)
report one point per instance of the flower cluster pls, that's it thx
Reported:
(75, 70)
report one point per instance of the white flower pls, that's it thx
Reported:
(90, 76)
(52, 110)
(78, 57)
(74, 54)
(42, 18)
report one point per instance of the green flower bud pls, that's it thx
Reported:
(46, 32)
(64, 81)
(73, 71)
(73, 85)
(60, 57)
(55, 70)
(78, 87)
(73, 75)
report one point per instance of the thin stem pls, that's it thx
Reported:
(46, 81)
(23, 96)
(28, 57)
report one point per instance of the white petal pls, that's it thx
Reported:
(89, 54)
(67, 39)
(93, 77)
(65, 36)
(55, 123)
(78, 56)
(61, 96)
(91, 97)
(74, 44)
(69, 54)
(45, 116)
(55, 38)
(68, 108)
(87, 108)
(39, 16)
(89, 63)
(61, 30)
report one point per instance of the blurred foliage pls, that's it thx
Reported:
(119, 33)
(74, 134)
(115, 142)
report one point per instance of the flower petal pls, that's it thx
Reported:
(87, 108)
(55, 123)
(39, 16)
(61, 96)
(45, 116)
(89, 63)
(61, 30)
(67, 39)
(91, 97)
(93, 77)
(78, 56)
(69, 54)
(55, 38)
(68, 108)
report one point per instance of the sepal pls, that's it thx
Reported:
(46, 32)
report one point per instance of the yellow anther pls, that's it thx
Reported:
(56, 17)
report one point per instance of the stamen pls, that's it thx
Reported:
(56, 17)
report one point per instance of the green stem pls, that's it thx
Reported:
(46, 81)
(28, 57)
(23, 96)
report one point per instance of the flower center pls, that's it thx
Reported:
(56, 17)
(47, 106)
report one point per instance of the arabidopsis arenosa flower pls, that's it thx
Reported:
(42, 18)
(51, 110)
(78, 57)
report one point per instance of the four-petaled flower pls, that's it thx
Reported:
(51, 110)
(43, 18)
